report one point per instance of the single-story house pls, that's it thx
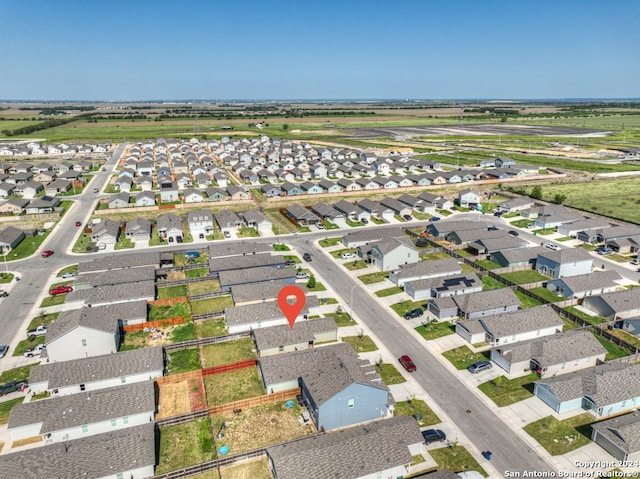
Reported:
(587, 224)
(616, 305)
(106, 232)
(255, 218)
(228, 221)
(441, 229)
(550, 355)
(138, 229)
(120, 200)
(301, 215)
(443, 286)
(97, 372)
(241, 319)
(619, 436)
(425, 270)
(260, 292)
(378, 449)
(76, 416)
(487, 303)
(517, 204)
(145, 198)
(169, 226)
(250, 276)
(604, 390)
(283, 339)
(598, 282)
(113, 294)
(338, 388)
(10, 237)
(517, 257)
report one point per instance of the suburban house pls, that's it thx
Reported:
(513, 326)
(192, 195)
(425, 270)
(616, 305)
(112, 294)
(396, 206)
(502, 242)
(619, 436)
(301, 216)
(257, 292)
(10, 237)
(517, 204)
(138, 229)
(145, 198)
(486, 303)
(128, 453)
(590, 284)
(169, 227)
(14, 206)
(234, 277)
(228, 221)
(391, 253)
(97, 372)
(604, 390)
(351, 211)
(564, 262)
(443, 286)
(441, 229)
(382, 449)
(114, 277)
(550, 355)
(517, 257)
(254, 262)
(129, 260)
(85, 414)
(468, 198)
(105, 232)
(120, 200)
(338, 388)
(241, 319)
(200, 223)
(283, 339)
(255, 218)
(169, 191)
(57, 187)
(587, 224)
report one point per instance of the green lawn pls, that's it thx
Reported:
(613, 350)
(361, 343)
(339, 252)
(547, 295)
(69, 269)
(521, 223)
(183, 332)
(342, 319)
(505, 391)
(561, 437)
(292, 257)
(210, 328)
(545, 231)
(318, 287)
(487, 264)
(234, 386)
(83, 244)
(27, 247)
(456, 458)
(246, 232)
(417, 407)
(53, 300)
(354, 265)
(16, 374)
(172, 291)
(227, 352)
(124, 243)
(435, 330)
(184, 445)
(354, 224)
(6, 278)
(27, 344)
(184, 360)
(526, 301)
(403, 307)
(434, 255)
(196, 273)
(463, 357)
(389, 291)
(281, 247)
(371, 278)
(42, 319)
(489, 283)
(390, 374)
(5, 408)
(211, 305)
(202, 287)
(525, 276)
(167, 312)
(327, 242)
(586, 317)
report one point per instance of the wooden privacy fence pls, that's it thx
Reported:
(227, 368)
(178, 378)
(160, 323)
(255, 401)
(169, 301)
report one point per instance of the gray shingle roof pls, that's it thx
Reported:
(251, 276)
(242, 262)
(620, 301)
(567, 255)
(484, 300)
(446, 283)
(302, 332)
(98, 368)
(590, 281)
(623, 431)
(518, 255)
(121, 261)
(221, 249)
(504, 242)
(521, 321)
(389, 244)
(130, 275)
(425, 268)
(353, 452)
(75, 410)
(608, 383)
(554, 349)
(264, 290)
(368, 236)
(114, 292)
(90, 457)
(68, 320)
(251, 313)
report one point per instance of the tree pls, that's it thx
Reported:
(536, 192)
(285, 127)
(312, 282)
(559, 198)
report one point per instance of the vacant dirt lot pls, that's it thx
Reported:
(173, 399)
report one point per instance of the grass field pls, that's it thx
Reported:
(561, 437)
(525, 276)
(371, 278)
(210, 328)
(211, 305)
(184, 360)
(389, 291)
(489, 283)
(456, 458)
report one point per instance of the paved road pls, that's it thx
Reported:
(479, 423)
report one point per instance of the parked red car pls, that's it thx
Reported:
(407, 363)
(60, 290)
(78, 223)
(46, 253)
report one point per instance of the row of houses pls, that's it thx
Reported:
(27, 185)
(35, 148)
(170, 192)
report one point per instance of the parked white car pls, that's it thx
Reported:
(349, 256)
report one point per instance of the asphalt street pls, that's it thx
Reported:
(479, 423)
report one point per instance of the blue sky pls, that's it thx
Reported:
(349, 49)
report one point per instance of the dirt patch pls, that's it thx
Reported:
(173, 399)
(258, 469)
(175, 275)
(197, 396)
(260, 427)
(26, 441)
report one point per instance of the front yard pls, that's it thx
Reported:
(361, 343)
(456, 458)
(390, 374)
(463, 357)
(435, 330)
(417, 409)
(341, 318)
(403, 307)
(561, 437)
(505, 392)
(371, 278)
(389, 291)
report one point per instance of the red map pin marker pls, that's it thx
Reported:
(291, 310)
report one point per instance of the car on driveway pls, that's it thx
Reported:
(407, 217)
(227, 234)
(414, 313)
(68, 275)
(31, 352)
(479, 366)
(407, 363)
(290, 263)
(302, 275)
(349, 256)
(364, 221)
(552, 246)
(60, 290)
(46, 253)
(3, 350)
(604, 251)
(320, 226)
(433, 435)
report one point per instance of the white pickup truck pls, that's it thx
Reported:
(31, 352)
(39, 331)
